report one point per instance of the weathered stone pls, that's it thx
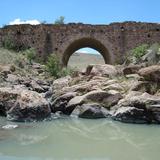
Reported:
(131, 115)
(101, 70)
(104, 98)
(131, 69)
(90, 111)
(36, 87)
(8, 97)
(145, 86)
(58, 84)
(136, 108)
(83, 87)
(115, 86)
(155, 111)
(59, 104)
(107, 39)
(30, 106)
(151, 73)
(12, 78)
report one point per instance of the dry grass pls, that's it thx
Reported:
(7, 56)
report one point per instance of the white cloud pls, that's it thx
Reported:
(87, 50)
(19, 21)
(82, 51)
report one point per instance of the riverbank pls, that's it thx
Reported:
(122, 93)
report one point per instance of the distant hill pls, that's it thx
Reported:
(81, 60)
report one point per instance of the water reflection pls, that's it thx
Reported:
(78, 139)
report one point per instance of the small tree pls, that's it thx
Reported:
(60, 20)
(53, 66)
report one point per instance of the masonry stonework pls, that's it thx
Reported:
(113, 41)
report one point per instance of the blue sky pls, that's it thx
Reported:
(86, 11)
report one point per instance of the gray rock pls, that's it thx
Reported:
(131, 69)
(101, 70)
(145, 86)
(132, 115)
(103, 98)
(30, 106)
(58, 84)
(90, 111)
(8, 97)
(59, 104)
(36, 87)
(137, 107)
(151, 73)
(12, 78)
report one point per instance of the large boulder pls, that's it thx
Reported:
(132, 115)
(151, 73)
(58, 84)
(36, 87)
(102, 70)
(131, 69)
(29, 106)
(84, 86)
(137, 107)
(103, 98)
(90, 111)
(20, 104)
(145, 86)
(8, 97)
(60, 102)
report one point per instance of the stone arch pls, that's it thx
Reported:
(82, 43)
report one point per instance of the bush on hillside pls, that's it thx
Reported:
(54, 68)
(139, 51)
(30, 54)
(8, 44)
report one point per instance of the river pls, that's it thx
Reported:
(78, 139)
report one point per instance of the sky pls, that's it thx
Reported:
(85, 11)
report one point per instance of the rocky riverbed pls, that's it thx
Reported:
(128, 94)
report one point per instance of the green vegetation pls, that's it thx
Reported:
(145, 53)
(8, 44)
(31, 54)
(140, 51)
(60, 20)
(54, 68)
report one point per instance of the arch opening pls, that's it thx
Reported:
(85, 43)
(80, 59)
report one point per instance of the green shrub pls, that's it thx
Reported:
(30, 54)
(140, 51)
(8, 43)
(54, 68)
(66, 71)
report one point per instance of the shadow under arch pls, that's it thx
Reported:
(83, 43)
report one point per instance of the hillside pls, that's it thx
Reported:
(81, 60)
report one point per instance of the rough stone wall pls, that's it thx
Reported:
(113, 41)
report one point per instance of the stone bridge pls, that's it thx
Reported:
(113, 41)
